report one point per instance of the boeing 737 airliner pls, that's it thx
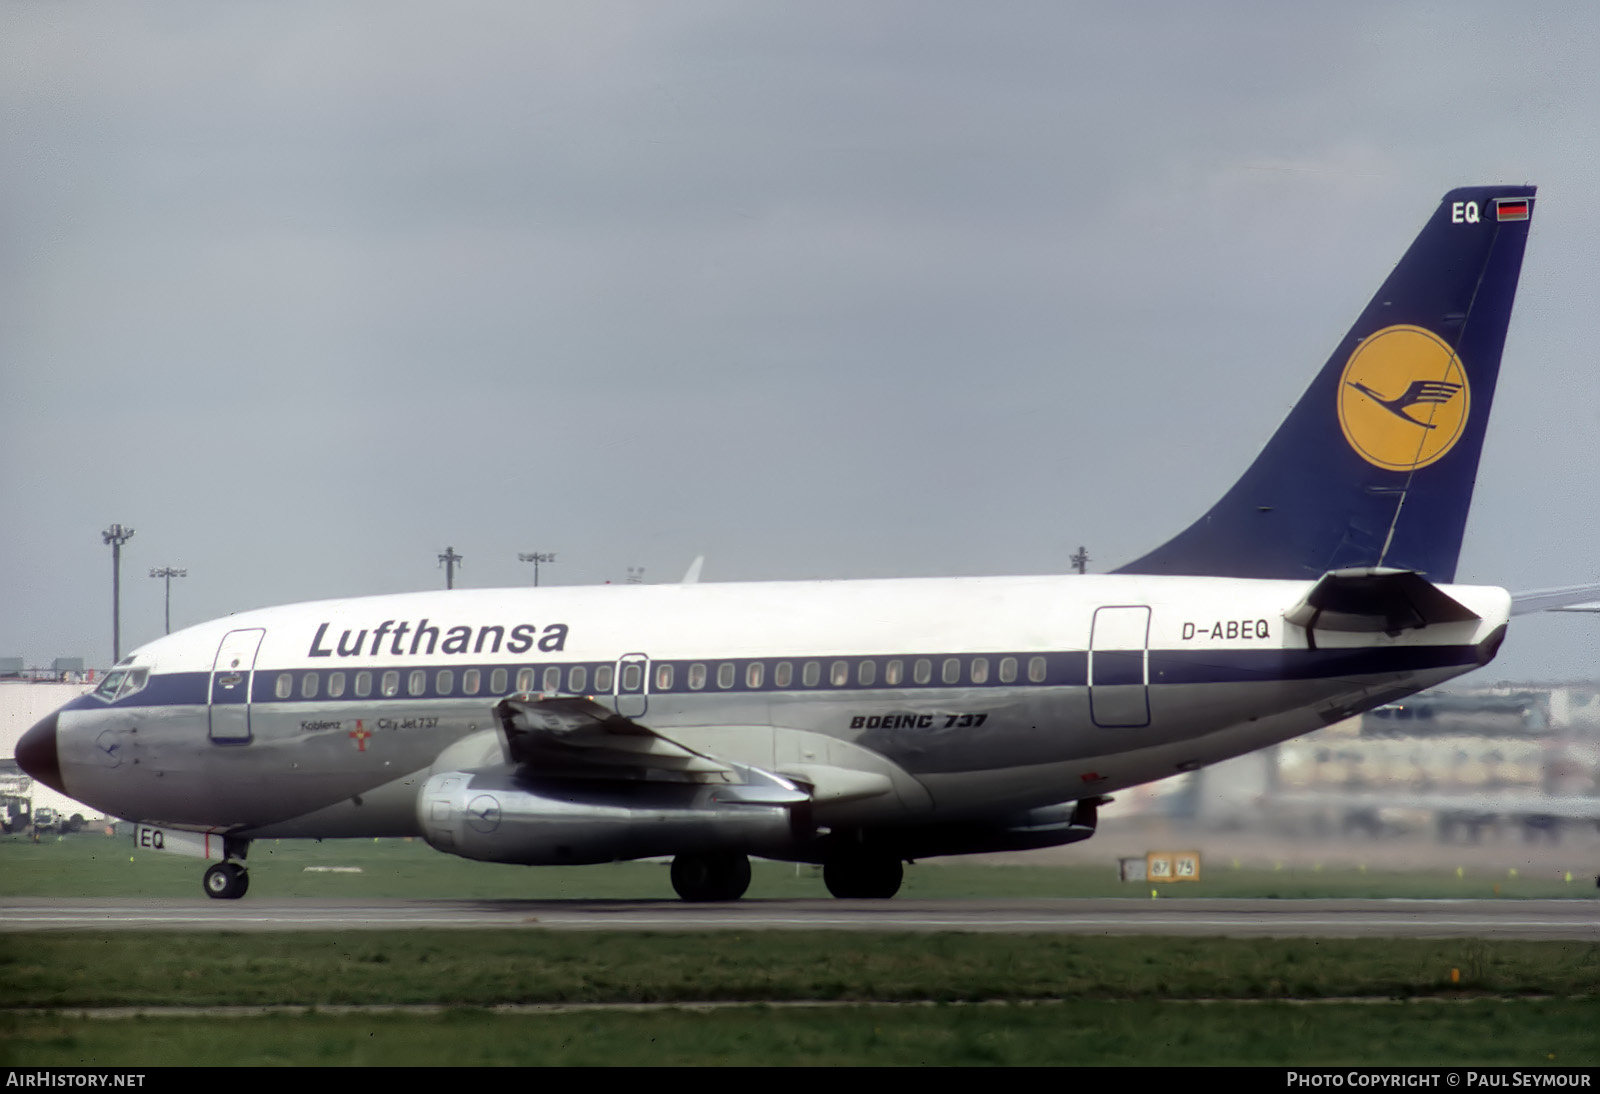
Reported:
(856, 724)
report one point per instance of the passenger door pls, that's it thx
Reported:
(231, 678)
(1119, 667)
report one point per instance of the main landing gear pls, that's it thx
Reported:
(857, 873)
(716, 876)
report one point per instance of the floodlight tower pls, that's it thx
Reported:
(536, 558)
(116, 536)
(1081, 560)
(169, 573)
(449, 560)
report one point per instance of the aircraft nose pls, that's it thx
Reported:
(36, 754)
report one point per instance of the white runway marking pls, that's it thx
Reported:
(1547, 919)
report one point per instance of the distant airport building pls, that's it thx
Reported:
(27, 695)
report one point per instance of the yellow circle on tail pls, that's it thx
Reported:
(1403, 398)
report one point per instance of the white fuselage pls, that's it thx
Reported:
(972, 696)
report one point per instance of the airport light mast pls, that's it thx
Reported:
(169, 573)
(1081, 560)
(448, 560)
(116, 536)
(536, 558)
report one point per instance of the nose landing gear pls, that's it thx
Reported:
(228, 879)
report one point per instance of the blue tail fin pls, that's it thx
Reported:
(1375, 465)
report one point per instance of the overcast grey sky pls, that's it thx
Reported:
(306, 292)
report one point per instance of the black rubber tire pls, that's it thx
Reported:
(707, 878)
(226, 881)
(862, 875)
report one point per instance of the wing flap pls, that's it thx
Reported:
(570, 736)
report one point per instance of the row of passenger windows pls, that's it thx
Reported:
(722, 675)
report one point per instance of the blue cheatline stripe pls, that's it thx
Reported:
(1062, 668)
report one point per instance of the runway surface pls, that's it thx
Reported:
(1577, 920)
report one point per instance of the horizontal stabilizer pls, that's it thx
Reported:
(1373, 599)
(1567, 598)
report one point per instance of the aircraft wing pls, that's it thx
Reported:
(1567, 598)
(571, 736)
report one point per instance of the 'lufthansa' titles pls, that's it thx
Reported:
(427, 639)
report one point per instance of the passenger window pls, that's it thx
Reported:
(867, 674)
(308, 686)
(470, 681)
(951, 672)
(980, 670)
(285, 687)
(552, 680)
(418, 682)
(893, 673)
(524, 679)
(632, 676)
(725, 673)
(811, 674)
(839, 673)
(752, 674)
(390, 685)
(783, 675)
(602, 677)
(922, 671)
(697, 676)
(363, 684)
(1036, 670)
(335, 684)
(1008, 670)
(577, 679)
(664, 677)
(444, 683)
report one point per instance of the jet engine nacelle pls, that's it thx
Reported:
(496, 816)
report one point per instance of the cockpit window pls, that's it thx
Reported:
(137, 678)
(121, 683)
(108, 687)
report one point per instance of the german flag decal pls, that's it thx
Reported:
(1511, 208)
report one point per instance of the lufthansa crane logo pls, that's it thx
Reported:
(1403, 398)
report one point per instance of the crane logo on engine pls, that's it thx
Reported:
(483, 813)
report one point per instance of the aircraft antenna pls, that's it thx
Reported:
(449, 560)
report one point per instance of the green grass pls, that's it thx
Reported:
(90, 865)
(1149, 1033)
(490, 967)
